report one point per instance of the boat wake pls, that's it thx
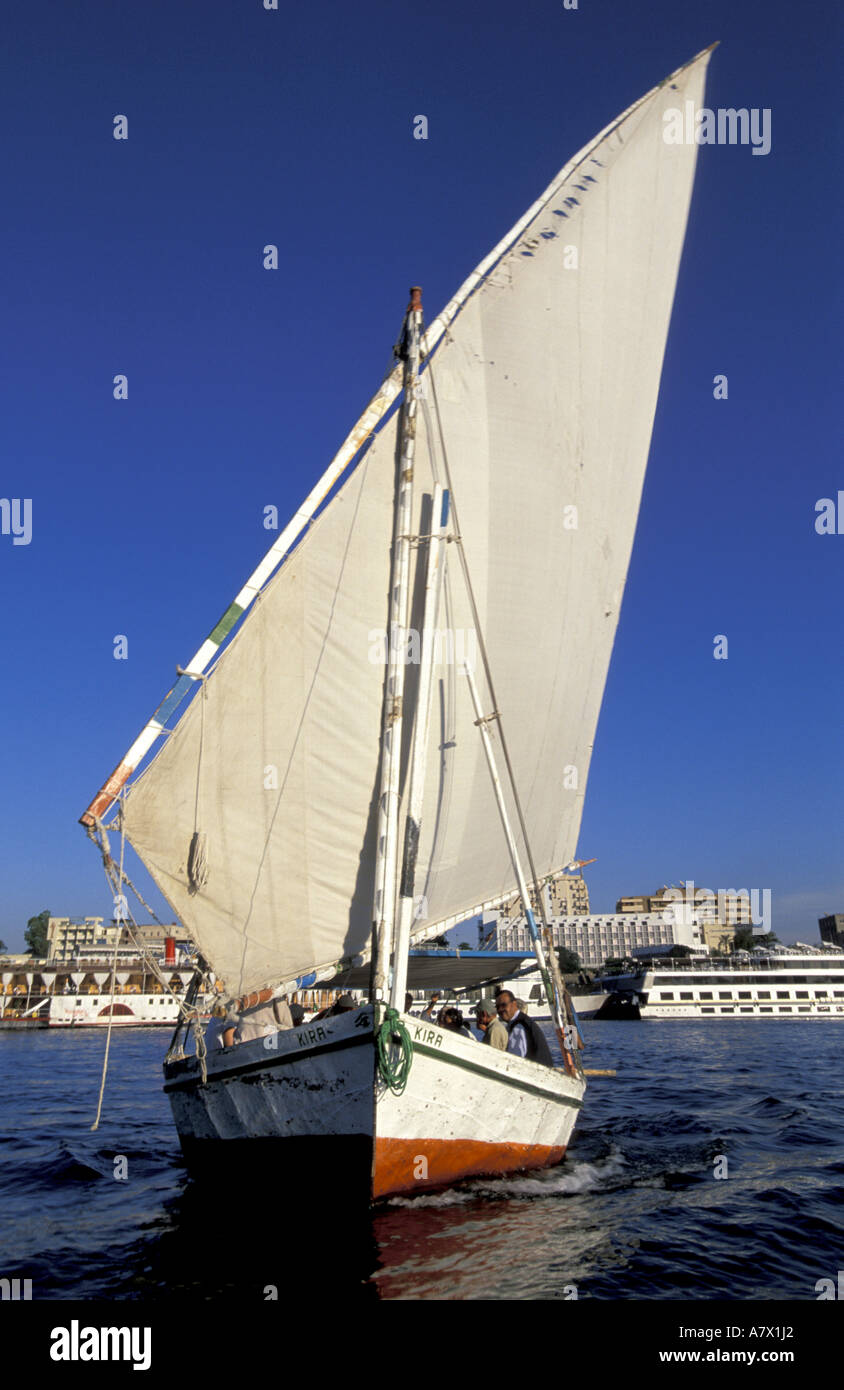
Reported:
(564, 1181)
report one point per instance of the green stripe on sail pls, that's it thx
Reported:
(226, 623)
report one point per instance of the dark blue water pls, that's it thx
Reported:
(635, 1212)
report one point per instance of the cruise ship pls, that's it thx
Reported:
(786, 982)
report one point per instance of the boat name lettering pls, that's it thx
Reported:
(311, 1036)
(427, 1035)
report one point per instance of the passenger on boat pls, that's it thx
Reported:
(343, 1005)
(428, 1013)
(297, 1013)
(452, 1019)
(490, 1025)
(221, 1028)
(263, 1020)
(526, 1039)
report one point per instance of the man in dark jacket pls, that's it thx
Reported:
(526, 1038)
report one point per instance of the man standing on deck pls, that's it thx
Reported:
(494, 1030)
(526, 1038)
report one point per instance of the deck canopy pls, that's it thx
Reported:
(446, 970)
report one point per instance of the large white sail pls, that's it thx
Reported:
(547, 383)
(275, 761)
(547, 386)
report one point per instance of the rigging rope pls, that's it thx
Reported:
(198, 852)
(116, 876)
(96, 1123)
(391, 1033)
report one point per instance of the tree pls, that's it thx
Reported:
(745, 940)
(35, 935)
(680, 951)
(3, 948)
(464, 946)
(569, 961)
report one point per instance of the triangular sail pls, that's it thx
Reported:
(275, 762)
(546, 384)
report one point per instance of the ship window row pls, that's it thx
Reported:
(743, 980)
(748, 994)
(764, 1009)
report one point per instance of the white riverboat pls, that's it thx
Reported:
(529, 987)
(325, 803)
(784, 983)
(125, 1011)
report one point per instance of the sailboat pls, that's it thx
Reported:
(389, 729)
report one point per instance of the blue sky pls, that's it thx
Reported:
(295, 127)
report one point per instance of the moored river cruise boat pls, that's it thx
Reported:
(787, 983)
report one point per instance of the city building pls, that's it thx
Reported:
(70, 937)
(727, 907)
(67, 935)
(566, 895)
(832, 929)
(598, 937)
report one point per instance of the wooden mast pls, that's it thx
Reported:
(419, 748)
(386, 863)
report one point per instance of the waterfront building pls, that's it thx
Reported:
(725, 907)
(70, 937)
(67, 935)
(566, 895)
(832, 929)
(596, 937)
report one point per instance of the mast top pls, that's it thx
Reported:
(415, 305)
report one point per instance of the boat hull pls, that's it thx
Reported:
(313, 1098)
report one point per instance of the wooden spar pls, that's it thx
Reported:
(419, 748)
(365, 426)
(551, 993)
(386, 862)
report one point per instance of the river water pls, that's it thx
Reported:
(711, 1167)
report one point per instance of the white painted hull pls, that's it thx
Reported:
(467, 1109)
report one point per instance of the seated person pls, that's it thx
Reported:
(221, 1028)
(262, 1020)
(343, 1005)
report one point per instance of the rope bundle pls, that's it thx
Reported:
(394, 1073)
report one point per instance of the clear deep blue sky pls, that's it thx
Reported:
(143, 257)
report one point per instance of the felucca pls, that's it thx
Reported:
(315, 813)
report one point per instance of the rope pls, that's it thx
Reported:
(116, 876)
(102, 848)
(96, 1123)
(392, 1031)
